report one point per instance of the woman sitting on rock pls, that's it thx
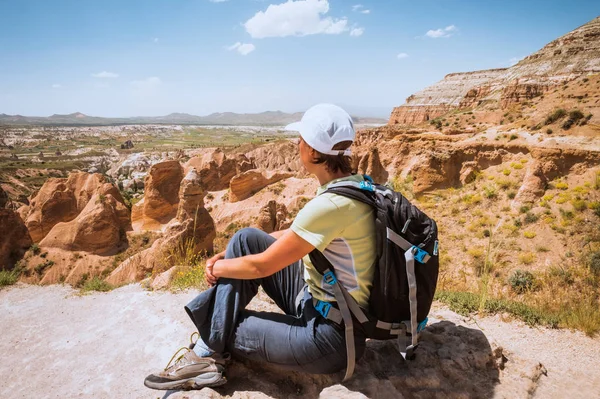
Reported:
(301, 339)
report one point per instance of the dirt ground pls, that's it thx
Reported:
(56, 343)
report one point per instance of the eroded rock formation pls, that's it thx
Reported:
(246, 184)
(161, 196)
(192, 231)
(575, 54)
(370, 164)
(273, 217)
(99, 228)
(215, 169)
(14, 237)
(62, 200)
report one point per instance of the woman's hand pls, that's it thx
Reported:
(208, 271)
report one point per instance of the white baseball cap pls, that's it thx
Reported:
(323, 126)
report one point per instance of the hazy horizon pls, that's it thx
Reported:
(154, 57)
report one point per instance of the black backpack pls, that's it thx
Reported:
(407, 246)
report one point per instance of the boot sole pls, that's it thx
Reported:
(204, 380)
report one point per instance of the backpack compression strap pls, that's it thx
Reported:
(346, 303)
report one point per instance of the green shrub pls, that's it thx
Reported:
(97, 284)
(526, 258)
(511, 195)
(561, 185)
(594, 263)
(529, 234)
(556, 115)
(521, 281)
(8, 277)
(531, 218)
(490, 192)
(524, 208)
(548, 131)
(35, 249)
(579, 204)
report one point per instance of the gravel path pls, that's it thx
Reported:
(57, 343)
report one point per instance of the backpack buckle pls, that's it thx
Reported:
(323, 308)
(329, 278)
(421, 255)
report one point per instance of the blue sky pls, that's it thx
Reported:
(154, 57)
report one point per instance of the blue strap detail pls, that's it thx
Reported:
(329, 277)
(323, 308)
(366, 185)
(368, 178)
(422, 325)
(420, 254)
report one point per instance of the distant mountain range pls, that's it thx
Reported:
(269, 118)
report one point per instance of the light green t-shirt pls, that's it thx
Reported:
(343, 229)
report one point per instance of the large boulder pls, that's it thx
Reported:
(62, 199)
(161, 197)
(246, 184)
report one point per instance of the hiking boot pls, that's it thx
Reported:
(190, 372)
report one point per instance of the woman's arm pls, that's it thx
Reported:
(278, 234)
(288, 249)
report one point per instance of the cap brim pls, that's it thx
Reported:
(294, 127)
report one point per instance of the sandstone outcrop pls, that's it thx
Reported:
(216, 169)
(62, 200)
(575, 54)
(246, 184)
(534, 184)
(273, 217)
(161, 197)
(443, 97)
(282, 155)
(3, 198)
(14, 237)
(192, 231)
(370, 164)
(99, 228)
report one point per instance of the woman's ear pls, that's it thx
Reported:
(314, 155)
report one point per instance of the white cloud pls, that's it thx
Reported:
(148, 83)
(357, 32)
(402, 55)
(365, 12)
(357, 7)
(156, 40)
(242, 48)
(56, 86)
(105, 74)
(442, 32)
(295, 18)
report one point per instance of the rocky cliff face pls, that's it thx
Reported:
(566, 58)
(14, 237)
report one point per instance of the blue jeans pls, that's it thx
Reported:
(299, 340)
